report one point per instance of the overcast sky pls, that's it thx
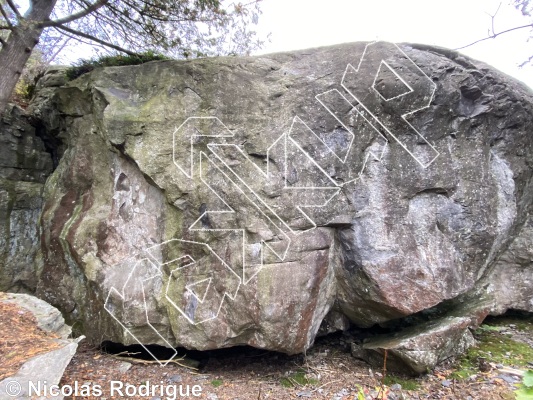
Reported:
(299, 24)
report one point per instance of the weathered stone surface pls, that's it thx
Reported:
(24, 166)
(219, 202)
(48, 367)
(418, 349)
(48, 318)
(44, 370)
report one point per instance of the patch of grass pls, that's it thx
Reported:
(407, 383)
(216, 382)
(87, 65)
(496, 348)
(520, 324)
(489, 328)
(297, 379)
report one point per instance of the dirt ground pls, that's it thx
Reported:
(20, 338)
(327, 371)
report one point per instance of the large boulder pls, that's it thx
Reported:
(243, 200)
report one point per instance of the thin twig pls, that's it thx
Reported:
(525, 62)
(495, 35)
(325, 384)
(294, 383)
(492, 17)
(51, 58)
(127, 353)
(94, 39)
(141, 361)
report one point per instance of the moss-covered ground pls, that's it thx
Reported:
(498, 342)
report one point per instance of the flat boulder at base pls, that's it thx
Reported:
(256, 201)
(38, 348)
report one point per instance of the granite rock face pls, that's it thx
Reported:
(221, 202)
(24, 166)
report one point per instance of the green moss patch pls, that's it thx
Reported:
(297, 379)
(116, 60)
(494, 347)
(217, 382)
(406, 383)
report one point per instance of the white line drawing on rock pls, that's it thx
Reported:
(173, 298)
(425, 100)
(114, 293)
(205, 138)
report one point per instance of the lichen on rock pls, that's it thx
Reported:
(244, 200)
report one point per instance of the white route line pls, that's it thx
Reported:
(268, 218)
(259, 197)
(351, 69)
(190, 173)
(238, 183)
(397, 76)
(376, 157)
(121, 295)
(191, 285)
(171, 299)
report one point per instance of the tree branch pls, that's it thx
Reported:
(77, 38)
(495, 35)
(94, 39)
(493, 17)
(51, 58)
(4, 14)
(14, 8)
(522, 65)
(73, 17)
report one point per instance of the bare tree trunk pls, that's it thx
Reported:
(18, 47)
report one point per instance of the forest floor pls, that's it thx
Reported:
(328, 371)
(491, 370)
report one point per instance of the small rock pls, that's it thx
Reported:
(396, 387)
(446, 383)
(509, 379)
(212, 396)
(339, 395)
(175, 378)
(304, 394)
(124, 367)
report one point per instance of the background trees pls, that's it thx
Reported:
(180, 28)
